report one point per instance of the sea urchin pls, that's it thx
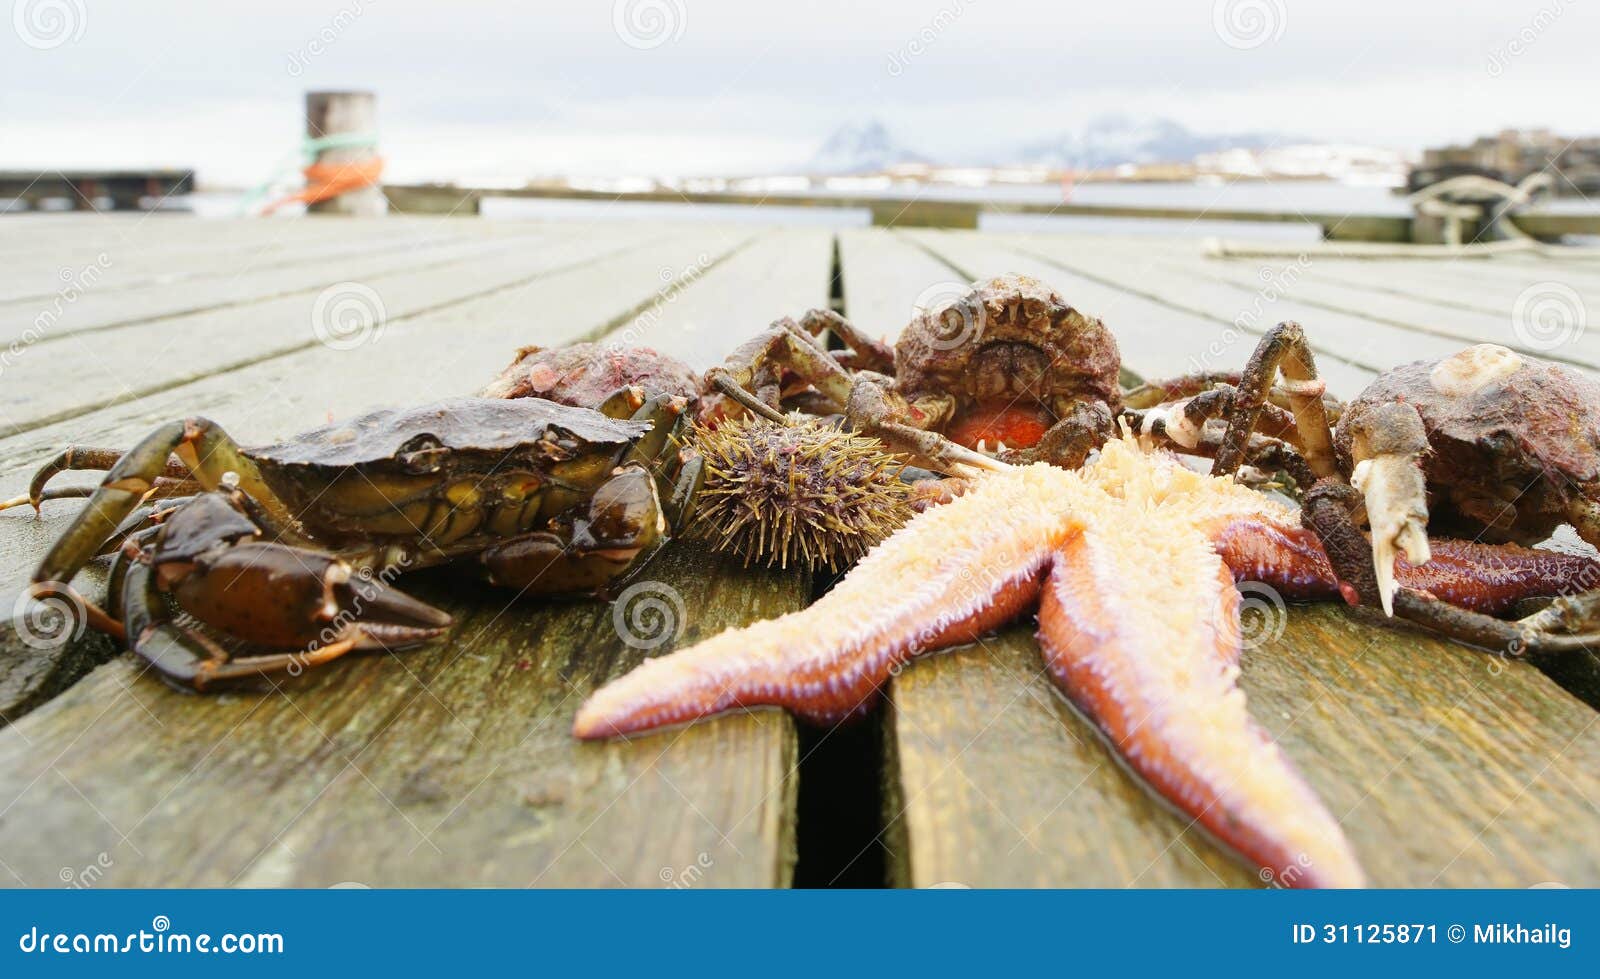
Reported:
(801, 492)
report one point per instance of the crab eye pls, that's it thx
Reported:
(421, 454)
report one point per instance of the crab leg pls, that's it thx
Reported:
(205, 450)
(175, 481)
(1284, 349)
(1327, 510)
(1485, 578)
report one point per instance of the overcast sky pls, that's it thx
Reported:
(496, 88)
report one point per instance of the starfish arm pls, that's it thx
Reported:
(1488, 578)
(951, 575)
(1155, 667)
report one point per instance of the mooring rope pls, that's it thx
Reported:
(1433, 201)
(323, 181)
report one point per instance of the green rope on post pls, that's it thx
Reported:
(310, 147)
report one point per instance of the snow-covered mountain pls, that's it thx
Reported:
(1107, 141)
(861, 148)
(1110, 141)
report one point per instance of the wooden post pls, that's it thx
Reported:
(924, 214)
(1368, 228)
(433, 199)
(352, 113)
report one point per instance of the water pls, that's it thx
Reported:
(1299, 195)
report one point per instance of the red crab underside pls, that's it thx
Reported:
(1015, 426)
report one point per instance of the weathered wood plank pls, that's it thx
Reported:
(1490, 285)
(1513, 299)
(1296, 279)
(165, 251)
(153, 249)
(1449, 285)
(1501, 761)
(884, 277)
(781, 273)
(1445, 767)
(450, 764)
(127, 362)
(242, 280)
(1583, 268)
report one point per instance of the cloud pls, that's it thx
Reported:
(516, 88)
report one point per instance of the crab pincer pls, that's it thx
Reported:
(1387, 441)
(307, 607)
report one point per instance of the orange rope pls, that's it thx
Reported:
(325, 181)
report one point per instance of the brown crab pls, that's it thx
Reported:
(291, 546)
(611, 378)
(1486, 444)
(1006, 370)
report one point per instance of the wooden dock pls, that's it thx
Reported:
(935, 212)
(452, 764)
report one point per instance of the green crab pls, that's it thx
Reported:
(292, 546)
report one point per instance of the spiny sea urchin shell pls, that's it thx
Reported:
(802, 493)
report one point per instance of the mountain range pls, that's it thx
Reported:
(1106, 141)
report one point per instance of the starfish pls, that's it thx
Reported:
(1131, 565)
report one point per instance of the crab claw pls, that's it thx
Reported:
(1388, 473)
(286, 597)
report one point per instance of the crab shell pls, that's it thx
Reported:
(1005, 335)
(353, 476)
(1513, 442)
(585, 374)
